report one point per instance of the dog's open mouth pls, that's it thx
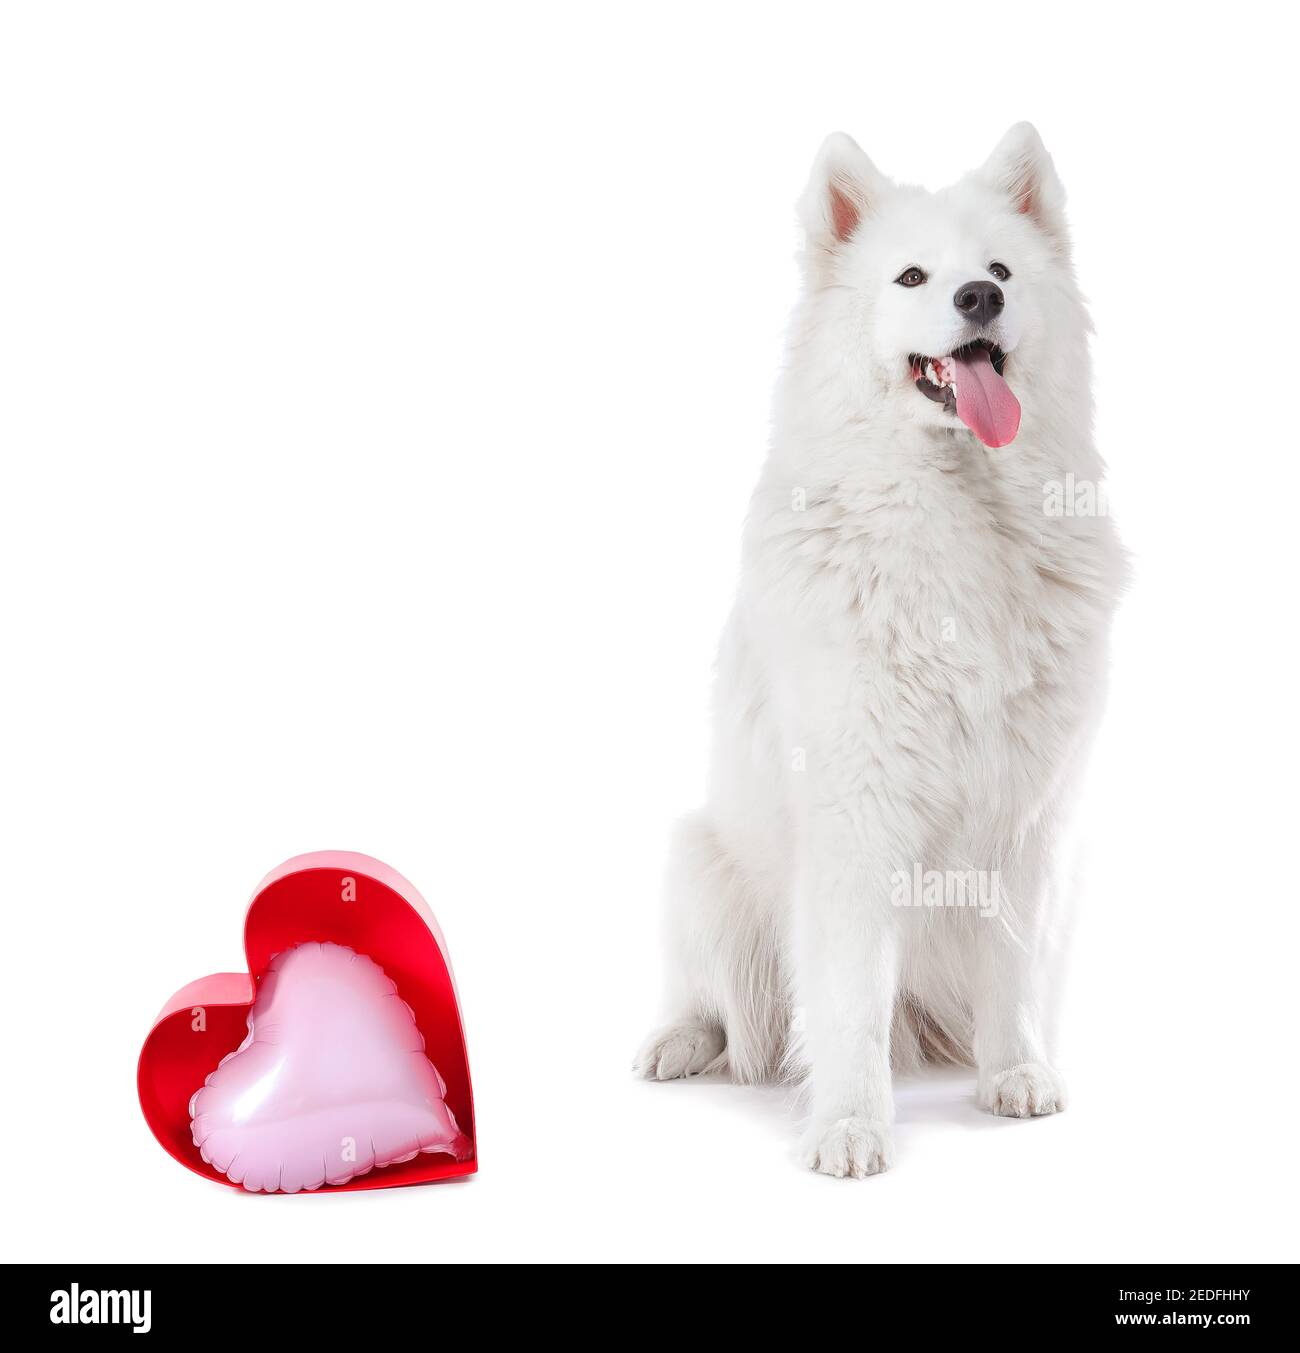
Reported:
(968, 381)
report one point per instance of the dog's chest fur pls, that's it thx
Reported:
(956, 625)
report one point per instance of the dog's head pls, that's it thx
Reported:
(940, 302)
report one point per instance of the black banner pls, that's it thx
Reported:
(91, 1302)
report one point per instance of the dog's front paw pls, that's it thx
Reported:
(1026, 1091)
(680, 1050)
(848, 1148)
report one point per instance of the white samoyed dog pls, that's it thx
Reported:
(915, 663)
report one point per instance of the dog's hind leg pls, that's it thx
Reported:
(728, 1004)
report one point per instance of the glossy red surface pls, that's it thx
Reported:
(331, 895)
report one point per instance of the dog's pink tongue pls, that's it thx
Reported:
(984, 400)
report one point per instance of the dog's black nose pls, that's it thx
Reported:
(980, 302)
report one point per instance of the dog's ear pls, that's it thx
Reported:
(1021, 168)
(843, 188)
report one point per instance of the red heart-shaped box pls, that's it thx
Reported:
(330, 895)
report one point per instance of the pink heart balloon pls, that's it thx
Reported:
(330, 1082)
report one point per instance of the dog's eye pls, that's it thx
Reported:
(1000, 271)
(910, 277)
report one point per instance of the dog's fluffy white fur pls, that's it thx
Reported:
(910, 676)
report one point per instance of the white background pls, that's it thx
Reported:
(381, 389)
